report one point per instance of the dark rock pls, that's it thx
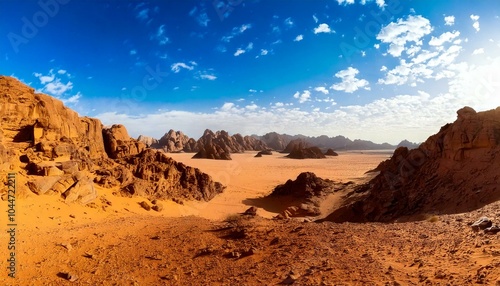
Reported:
(306, 153)
(330, 152)
(145, 205)
(482, 223)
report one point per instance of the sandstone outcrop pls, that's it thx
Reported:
(306, 153)
(57, 152)
(176, 141)
(149, 141)
(220, 145)
(119, 144)
(158, 176)
(296, 145)
(455, 170)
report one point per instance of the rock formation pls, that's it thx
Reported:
(330, 152)
(219, 145)
(119, 144)
(306, 153)
(305, 194)
(176, 141)
(306, 185)
(158, 176)
(295, 145)
(149, 141)
(407, 144)
(455, 170)
(57, 152)
(264, 152)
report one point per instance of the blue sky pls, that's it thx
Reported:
(378, 70)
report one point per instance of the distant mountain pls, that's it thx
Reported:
(408, 144)
(280, 141)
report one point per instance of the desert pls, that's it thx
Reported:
(346, 142)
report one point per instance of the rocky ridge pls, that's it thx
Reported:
(453, 171)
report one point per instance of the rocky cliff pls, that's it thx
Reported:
(54, 151)
(455, 170)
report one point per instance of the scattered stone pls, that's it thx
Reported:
(72, 216)
(158, 207)
(252, 211)
(145, 205)
(494, 229)
(482, 223)
(71, 277)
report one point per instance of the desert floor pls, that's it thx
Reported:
(116, 242)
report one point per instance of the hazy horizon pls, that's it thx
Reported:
(377, 70)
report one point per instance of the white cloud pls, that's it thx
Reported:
(321, 89)
(73, 99)
(346, 2)
(445, 37)
(380, 3)
(397, 34)
(322, 28)
(61, 71)
(383, 68)
(449, 20)
(161, 35)
(176, 67)
(208, 76)
(303, 97)
(252, 90)
(249, 46)
(299, 38)
(235, 32)
(263, 52)
(315, 19)
(475, 24)
(239, 52)
(57, 88)
(252, 107)
(45, 78)
(132, 52)
(376, 46)
(478, 51)
(289, 22)
(349, 82)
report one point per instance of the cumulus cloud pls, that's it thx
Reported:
(176, 67)
(349, 82)
(397, 34)
(321, 89)
(322, 28)
(56, 86)
(449, 20)
(263, 52)
(239, 52)
(445, 37)
(298, 38)
(475, 22)
(303, 97)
